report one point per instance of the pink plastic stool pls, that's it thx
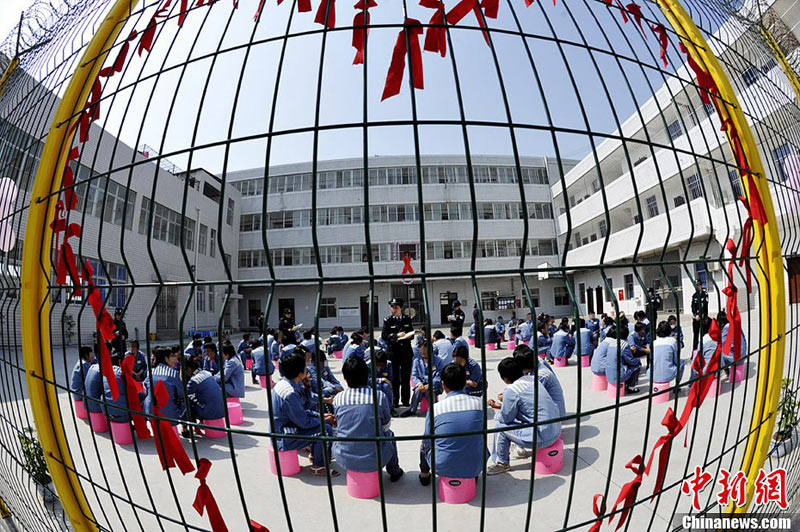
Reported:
(121, 433)
(235, 413)
(262, 379)
(363, 485)
(511, 345)
(80, 409)
(612, 390)
(543, 355)
(586, 361)
(471, 341)
(290, 464)
(248, 364)
(599, 383)
(715, 388)
(657, 387)
(337, 354)
(738, 374)
(98, 422)
(456, 490)
(232, 399)
(491, 347)
(423, 405)
(211, 433)
(560, 362)
(550, 460)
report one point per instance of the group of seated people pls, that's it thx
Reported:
(529, 381)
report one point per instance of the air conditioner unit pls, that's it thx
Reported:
(714, 266)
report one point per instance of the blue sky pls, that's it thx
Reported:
(342, 86)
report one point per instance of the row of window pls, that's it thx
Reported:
(166, 224)
(394, 213)
(200, 298)
(494, 300)
(102, 278)
(357, 253)
(404, 175)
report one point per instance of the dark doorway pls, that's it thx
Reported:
(253, 311)
(590, 301)
(365, 311)
(598, 300)
(446, 304)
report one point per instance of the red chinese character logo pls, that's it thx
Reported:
(696, 485)
(734, 489)
(771, 487)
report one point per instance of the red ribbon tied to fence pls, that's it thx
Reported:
(598, 509)
(170, 450)
(204, 499)
(119, 62)
(361, 28)
(146, 42)
(394, 78)
(407, 269)
(132, 390)
(674, 428)
(628, 491)
(663, 41)
(436, 36)
(325, 17)
(461, 9)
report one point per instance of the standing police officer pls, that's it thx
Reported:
(398, 331)
(699, 312)
(456, 319)
(287, 326)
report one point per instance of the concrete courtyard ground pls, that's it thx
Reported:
(599, 440)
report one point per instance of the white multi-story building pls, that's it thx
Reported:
(663, 195)
(394, 232)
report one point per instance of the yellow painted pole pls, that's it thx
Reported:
(36, 270)
(787, 68)
(7, 75)
(769, 269)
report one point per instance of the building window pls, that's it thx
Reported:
(534, 296)
(252, 258)
(166, 224)
(561, 296)
(202, 239)
(782, 155)
(212, 243)
(489, 300)
(736, 185)
(695, 189)
(679, 200)
(751, 75)
(249, 222)
(603, 227)
(229, 214)
(609, 289)
(582, 293)
(506, 303)
(117, 197)
(114, 274)
(674, 130)
(327, 308)
(652, 206)
(629, 286)
(211, 298)
(200, 296)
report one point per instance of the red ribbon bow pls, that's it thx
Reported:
(598, 508)
(170, 450)
(674, 428)
(436, 36)
(663, 41)
(303, 6)
(461, 9)
(361, 28)
(70, 198)
(628, 491)
(490, 7)
(105, 323)
(90, 111)
(407, 264)
(132, 390)
(65, 262)
(706, 83)
(204, 499)
(146, 42)
(325, 18)
(394, 78)
(636, 10)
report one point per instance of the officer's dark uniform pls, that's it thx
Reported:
(699, 308)
(654, 304)
(456, 319)
(120, 332)
(399, 352)
(286, 325)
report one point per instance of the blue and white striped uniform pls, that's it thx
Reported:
(587, 342)
(292, 417)
(355, 418)
(419, 375)
(709, 346)
(444, 350)
(599, 356)
(234, 377)
(471, 331)
(310, 344)
(563, 345)
(352, 350)
(116, 415)
(79, 372)
(549, 379)
(176, 406)
(205, 396)
(93, 386)
(744, 343)
(667, 363)
(518, 408)
(140, 365)
(629, 364)
(262, 364)
(461, 341)
(385, 373)
(329, 381)
(543, 344)
(474, 373)
(456, 456)
(274, 351)
(211, 366)
(525, 331)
